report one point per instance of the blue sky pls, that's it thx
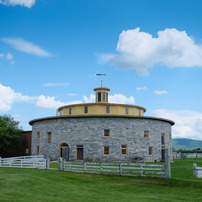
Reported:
(150, 51)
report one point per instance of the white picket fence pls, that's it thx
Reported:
(126, 169)
(25, 162)
(181, 156)
(197, 171)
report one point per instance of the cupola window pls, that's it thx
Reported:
(99, 97)
(104, 97)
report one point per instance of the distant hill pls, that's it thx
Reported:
(186, 144)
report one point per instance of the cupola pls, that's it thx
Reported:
(101, 94)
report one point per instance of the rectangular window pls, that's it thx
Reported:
(106, 150)
(70, 111)
(107, 109)
(85, 109)
(146, 134)
(150, 151)
(99, 97)
(38, 135)
(106, 97)
(163, 138)
(106, 132)
(103, 96)
(124, 149)
(139, 112)
(170, 136)
(37, 150)
(49, 137)
(126, 110)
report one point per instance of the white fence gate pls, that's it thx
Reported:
(197, 171)
(25, 162)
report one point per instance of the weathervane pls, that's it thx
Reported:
(101, 80)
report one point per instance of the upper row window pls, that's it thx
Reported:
(85, 109)
(107, 109)
(70, 111)
(126, 110)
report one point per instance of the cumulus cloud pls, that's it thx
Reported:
(51, 103)
(160, 92)
(116, 98)
(26, 3)
(188, 124)
(26, 46)
(141, 88)
(55, 84)
(8, 96)
(140, 51)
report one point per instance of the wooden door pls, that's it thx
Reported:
(80, 152)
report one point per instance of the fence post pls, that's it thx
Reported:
(167, 164)
(84, 167)
(120, 169)
(100, 167)
(195, 170)
(60, 163)
(47, 163)
(141, 171)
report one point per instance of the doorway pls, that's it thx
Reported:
(79, 152)
(64, 151)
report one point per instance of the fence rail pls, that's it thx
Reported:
(126, 169)
(181, 156)
(197, 171)
(25, 162)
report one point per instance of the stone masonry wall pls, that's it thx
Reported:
(89, 132)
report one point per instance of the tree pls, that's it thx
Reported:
(11, 140)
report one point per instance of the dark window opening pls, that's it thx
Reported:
(99, 97)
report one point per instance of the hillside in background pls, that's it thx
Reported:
(186, 144)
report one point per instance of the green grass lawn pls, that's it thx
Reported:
(53, 185)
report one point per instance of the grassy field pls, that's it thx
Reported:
(53, 185)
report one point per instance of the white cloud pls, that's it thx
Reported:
(8, 96)
(55, 84)
(116, 98)
(26, 46)
(48, 102)
(141, 88)
(51, 103)
(26, 3)
(188, 124)
(160, 92)
(1, 55)
(119, 98)
(91, 99)
(140, 51)
(9, 56)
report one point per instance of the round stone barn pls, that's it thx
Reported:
(102, 131)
